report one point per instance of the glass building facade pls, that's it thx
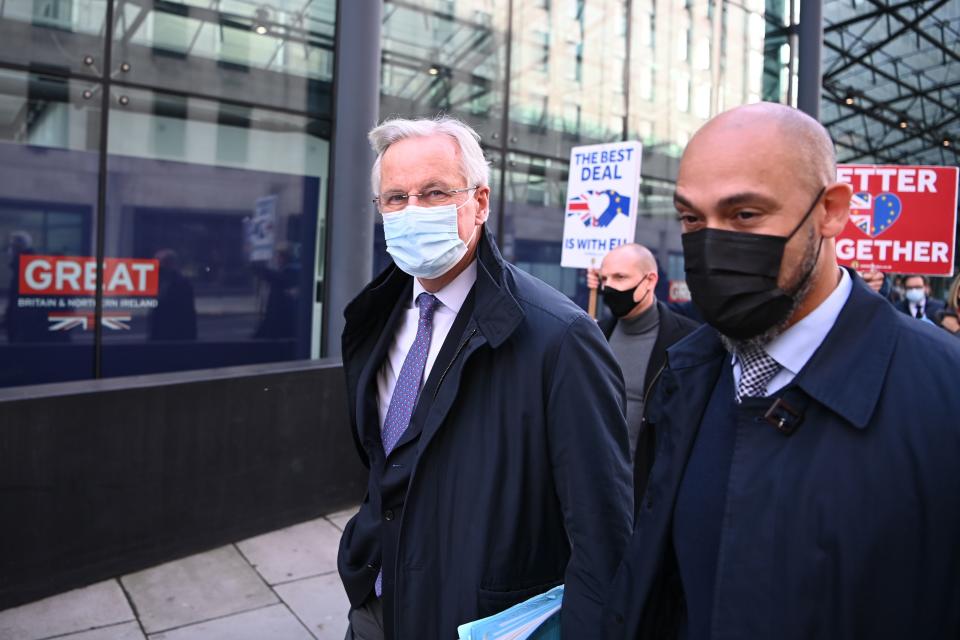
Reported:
(536, 78)
(183, 145)
(165, 164)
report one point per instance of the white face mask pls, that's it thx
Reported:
(915, 295)
(424, 241)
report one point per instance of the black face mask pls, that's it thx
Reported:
(732, 277)
(621, 303)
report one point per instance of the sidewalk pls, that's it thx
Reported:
(282, 585)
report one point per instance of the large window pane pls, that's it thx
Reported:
(53, 35)
(445, 57)
(720, 59)
(536, 193)
(567, 75)
(275, 54)
(49, 135)
(223, 204)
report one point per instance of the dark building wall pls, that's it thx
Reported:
(105, 477)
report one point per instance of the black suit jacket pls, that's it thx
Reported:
(673, 327)
(932, 307)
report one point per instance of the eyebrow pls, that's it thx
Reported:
(680, 200)
(745, 197)
(423, 187)
(748, 197)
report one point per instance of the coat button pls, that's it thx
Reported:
(388, 515)
(649, 503)
(618, 618)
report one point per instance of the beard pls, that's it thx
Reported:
(802, 282)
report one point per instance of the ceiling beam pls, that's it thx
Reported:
(859, 58)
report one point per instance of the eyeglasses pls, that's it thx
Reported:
(391, 201)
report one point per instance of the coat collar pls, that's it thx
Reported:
(496, 311)
(845, 373)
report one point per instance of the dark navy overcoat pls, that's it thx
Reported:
(847, 528)
(520, 474)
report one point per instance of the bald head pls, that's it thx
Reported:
(798, 139)
(632, 268)
(635, 255)
(767, 170)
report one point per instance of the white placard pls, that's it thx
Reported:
(601, 211)
(261, 230)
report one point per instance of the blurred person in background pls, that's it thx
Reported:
(949, 316)
(917, 302)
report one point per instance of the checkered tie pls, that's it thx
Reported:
(757, 369)
(407, 389)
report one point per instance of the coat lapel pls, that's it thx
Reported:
(857, 351)
(366, 407)
(496, 315)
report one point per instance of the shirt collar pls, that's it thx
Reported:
(795, 346)
(455, 292)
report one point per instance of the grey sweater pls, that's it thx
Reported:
(632, 343)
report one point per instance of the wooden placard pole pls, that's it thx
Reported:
(592, 303)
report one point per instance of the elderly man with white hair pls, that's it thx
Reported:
(486, 405)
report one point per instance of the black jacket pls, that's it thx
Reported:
(520, 477)
(673, 327)
(931, 309)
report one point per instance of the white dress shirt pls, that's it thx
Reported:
(795, 346)
(451, 299)
(913, 308)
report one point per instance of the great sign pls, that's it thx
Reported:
(77, 276)
(902, 219)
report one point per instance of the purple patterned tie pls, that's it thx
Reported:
(407, 389)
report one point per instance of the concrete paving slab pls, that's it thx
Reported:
(201, 587)
(98, 605)
(125, 631)
(274, 622)
(340, 518)
(300, 551)
(320, 603)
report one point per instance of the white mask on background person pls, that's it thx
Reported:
(915, 295)
(424, 242)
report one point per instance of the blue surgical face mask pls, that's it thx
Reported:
(915, 295)
(424, 241)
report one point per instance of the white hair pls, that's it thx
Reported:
(475, 167)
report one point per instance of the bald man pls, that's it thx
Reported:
(807, 482)
(639, 329)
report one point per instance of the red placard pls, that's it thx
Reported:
(903, 219)
(77, 276)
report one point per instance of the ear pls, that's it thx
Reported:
(483, 198)
(836, 204)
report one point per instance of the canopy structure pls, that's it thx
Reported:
(891, 80)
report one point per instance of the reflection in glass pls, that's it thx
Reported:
(227, 214)
(277, 53)
(567, 75)
(54, 35)
(48, 194)
(536, 193)
(445, 57)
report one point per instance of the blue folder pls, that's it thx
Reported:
(535, 619)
